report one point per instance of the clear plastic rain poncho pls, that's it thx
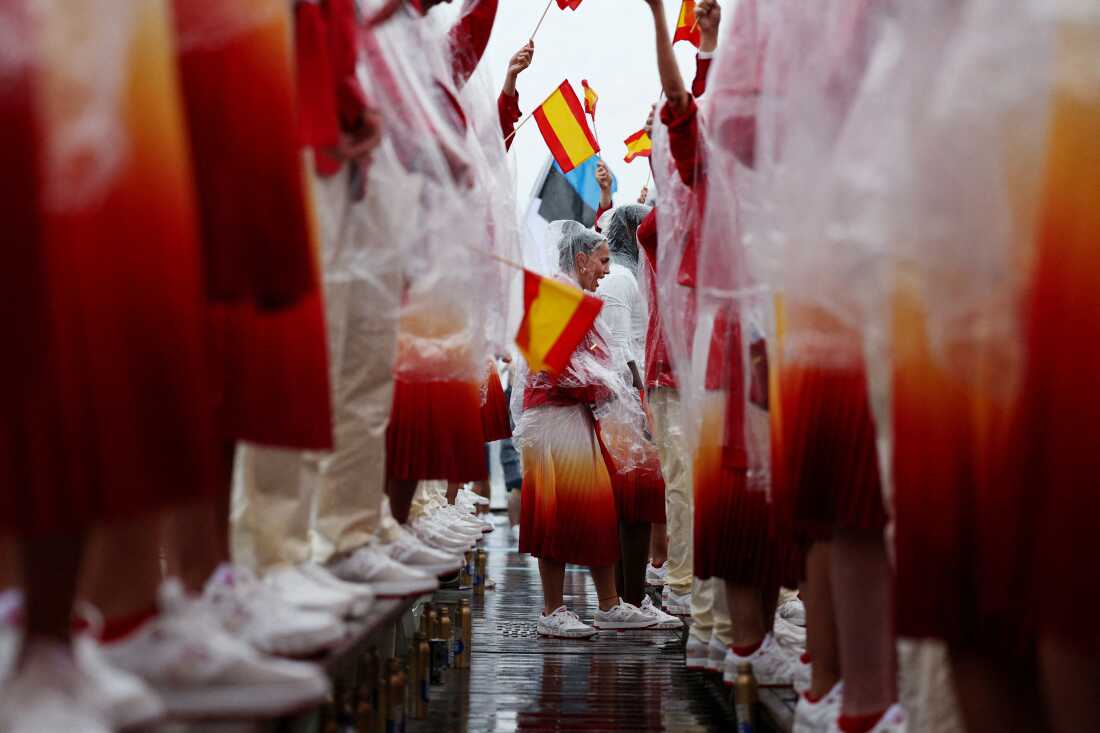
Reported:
(427, 133)
(728, 394)
(589, 379)
(625, 314)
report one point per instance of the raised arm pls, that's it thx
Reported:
(671, 81)
(508, 102)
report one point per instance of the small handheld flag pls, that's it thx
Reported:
(561, 121)
(570, 4)
(638, 145)
(687, 29)
(590, 99)
(556, 316)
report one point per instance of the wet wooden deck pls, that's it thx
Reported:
(631, 681)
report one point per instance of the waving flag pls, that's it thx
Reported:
(561, 121)
(687, 29)
(590, 99)
(556, 316)
(570, 4)
(638, 145)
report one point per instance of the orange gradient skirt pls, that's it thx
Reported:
(495, 417)
(733, 537)
(826, 472)
(568, 505)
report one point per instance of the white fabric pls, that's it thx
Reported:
(624, 316)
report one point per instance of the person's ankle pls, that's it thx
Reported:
(606, 604)
(821, 686)
(747, 647)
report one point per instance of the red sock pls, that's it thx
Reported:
(745, 651)
(120, 627)
(805, 658)
(859, 723)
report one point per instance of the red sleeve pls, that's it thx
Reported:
(470, 36)
(317, 119)
(508, 109)
(683, 138)
(647, 236)
(702, 71)
(600, 212)
(343, 48)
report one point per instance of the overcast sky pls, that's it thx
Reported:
(607, 42)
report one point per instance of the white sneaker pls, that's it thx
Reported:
(716, 655)
(803, 676)
(361, 593)
(435, 536)
(564, 624)
(408, 549)
(125, 698)
(255, 612)
(49, 692)
(11, 634)
(199, 670)
(455, 525)
(473, 497)
(792, 612)
(678, 604)
(388, 578)
(770, 665)
(623, 616)
(515, 532)
(820, 716)
(695, 654)
(299, 589)
(893, 720)
(656, 576)
(661, 620)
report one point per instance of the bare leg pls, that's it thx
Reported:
(746, 607)
(515, 503)
(197, 536)
(552, 575)
(51, 570)
(633, 556)
(996, 695)
(604, 580)
(482, 488)
(1070, 682)
(135, 546)
(817, 597)
(863, 599)
(401, 496)
(452, 492)
(658, 545)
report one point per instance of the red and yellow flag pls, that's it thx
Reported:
(687, 29)
(590, 99)
(637, 145)
(570, 4)
(556, 316)
(561, 120)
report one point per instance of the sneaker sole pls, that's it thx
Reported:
(623, 627)
(402, 590)
(267, 701)
(546, 635)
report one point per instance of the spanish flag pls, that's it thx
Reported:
(590, 99)
(556, 316)
(561, 120)
(571, 4)
(637, 145)
(687, 28)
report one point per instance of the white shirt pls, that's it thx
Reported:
(624, 316)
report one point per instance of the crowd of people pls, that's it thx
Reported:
(260, 284)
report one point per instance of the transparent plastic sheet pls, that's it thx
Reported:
(676, 212)
(441, 334)
(589, 379)
(496, 182)
(625, 315)
(729, 292)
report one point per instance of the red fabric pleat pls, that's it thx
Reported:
(435, 432)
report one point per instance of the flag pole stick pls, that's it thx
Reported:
(521, 124)
(544, 12)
